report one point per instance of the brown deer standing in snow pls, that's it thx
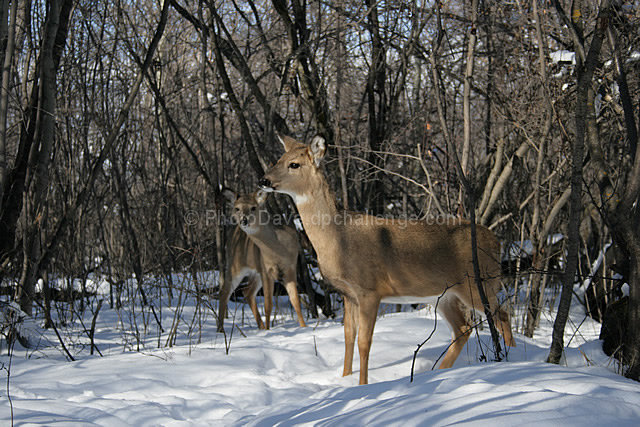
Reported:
(262, 251)
(370, 259)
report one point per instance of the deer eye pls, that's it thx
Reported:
(294, 165)
(253, 208)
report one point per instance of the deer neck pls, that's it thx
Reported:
(318, 212)
(267, 240)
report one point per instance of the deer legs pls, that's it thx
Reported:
(250, 295)
(268, 279)
(225, 293)
(256, 281)
(350, 331)
(267, 289)
(503, 323)
(451, 308)
(368, 313)
(292, 289)
(359, 319)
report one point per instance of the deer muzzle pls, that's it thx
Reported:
(265, 184)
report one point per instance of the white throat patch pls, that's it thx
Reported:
(249, 230)
(300, 199)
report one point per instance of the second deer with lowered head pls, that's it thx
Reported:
(370, 259)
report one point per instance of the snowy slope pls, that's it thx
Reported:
(291, 376)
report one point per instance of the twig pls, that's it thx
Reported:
(64, 347)
(433, 331)
(11, 345)
(93, 329)
(240, 330)
(315, 345)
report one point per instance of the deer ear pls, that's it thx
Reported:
(261, 197)
(317, 149)
(287, 142)
(230, 195)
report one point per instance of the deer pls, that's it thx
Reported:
(261, 251)
(245, 261)
(370, 260)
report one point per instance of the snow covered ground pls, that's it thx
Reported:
(292, 376)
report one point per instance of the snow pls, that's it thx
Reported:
(595, 266)
(563, 56)
(624, 289)
(292, 376)
(519, 248)
(634, 56)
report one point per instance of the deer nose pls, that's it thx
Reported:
(265, 183)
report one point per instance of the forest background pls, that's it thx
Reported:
(122, 121)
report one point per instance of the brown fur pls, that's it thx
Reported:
(264, 251)
(369, 259)
(244, 260)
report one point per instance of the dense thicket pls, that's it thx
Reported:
(120, 122)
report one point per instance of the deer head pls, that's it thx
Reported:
(298, 170)
(248, 210)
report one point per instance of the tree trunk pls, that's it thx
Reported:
(632, 338)
(471, 201)
(585, 74)
(37, 179)
(255, 160)
(338, 114)
(7, 62)
(373, 195)
(624, 221)
(466, 95)
(109, 142)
